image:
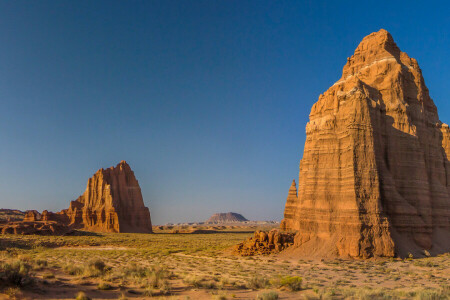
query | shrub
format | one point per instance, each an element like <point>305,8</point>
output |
<point>94,268</point>
<point>256,283</point>
<point>82,296</point>
<point>72,270</point>
<point>293,283</point>
<point>165,287</point>
<point>16,274</point>
<point>104,286</point>
<point>193,281</point>
<point>267,296</point>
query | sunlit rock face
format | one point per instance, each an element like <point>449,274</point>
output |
<point>112,202</point>
<point>375,176</point>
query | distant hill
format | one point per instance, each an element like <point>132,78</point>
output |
<point>229,217</point>
<point>11,214</point>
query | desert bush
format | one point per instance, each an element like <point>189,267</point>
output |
<point>82,296</point>
<point>98,265</point>
<point>164,287</point>
<point>425,263</point>
<point>95,268</point>
<point>104,286</point>
<point>12,292</point>
<point>433,294</point>
<point>39,264</point>
<point>267,296</point>
<point>256,283</point>
<point>72,270</point>
<point>153,277</point>
<point>200,282</point>
<point>156,277</point>
<point>293,283</point>
<point>16,274</point>
<point>193,280</point>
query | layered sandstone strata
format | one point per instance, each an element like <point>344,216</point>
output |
<point>112,202</point>
<point>289,209</point>
<point>35,228</point>
<point>375,176</point>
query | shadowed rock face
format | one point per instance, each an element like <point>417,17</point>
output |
<point>375,176</point>
<point>112,202</point>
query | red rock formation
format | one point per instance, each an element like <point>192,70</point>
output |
<point>31,216</point>
<point>291,202</point>
<point>112,202</point>
<point>35,227</point>
<point>264,243</point>
<point>375,176</point>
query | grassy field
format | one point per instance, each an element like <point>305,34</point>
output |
<point>200,266</point>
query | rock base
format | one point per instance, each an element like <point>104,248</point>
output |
<point>265,243</point>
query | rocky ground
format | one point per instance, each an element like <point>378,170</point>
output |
<point>201,266</point>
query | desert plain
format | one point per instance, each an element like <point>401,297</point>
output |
<point>168,265</point>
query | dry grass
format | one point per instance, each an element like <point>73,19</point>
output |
<point>181,265</point>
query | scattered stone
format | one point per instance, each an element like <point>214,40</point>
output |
<point>265,243</point>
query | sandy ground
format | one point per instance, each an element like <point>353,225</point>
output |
<point>199,266</point>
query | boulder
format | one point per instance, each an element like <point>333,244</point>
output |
<point>264,243</point>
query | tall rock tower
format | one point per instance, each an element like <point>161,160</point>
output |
<point>375,175</point>
<point>112,202</point>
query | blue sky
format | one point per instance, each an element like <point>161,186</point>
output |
<point>206,100</point>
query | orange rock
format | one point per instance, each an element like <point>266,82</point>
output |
<point>112,202</point>
<point>35,227</point>
<point>31,216</point>
<point>291,202</point>
<point>264,243</point>
<point>375,176</point>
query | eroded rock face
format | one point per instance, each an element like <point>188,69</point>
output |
<point>289,210</point>
<point>375,176</point>
<point>112,202</point>
<point>265,243</point>
<point>35,227</point>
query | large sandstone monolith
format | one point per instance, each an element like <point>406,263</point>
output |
<point>112,202</point>
<point>375,176</point>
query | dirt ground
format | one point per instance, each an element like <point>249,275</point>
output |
<point>199,266</point>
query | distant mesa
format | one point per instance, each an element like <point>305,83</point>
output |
<point>229,217</point>
<point>375,174</point>
<point>112,202</point>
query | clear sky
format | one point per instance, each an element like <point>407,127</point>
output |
<point>206,100</point>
